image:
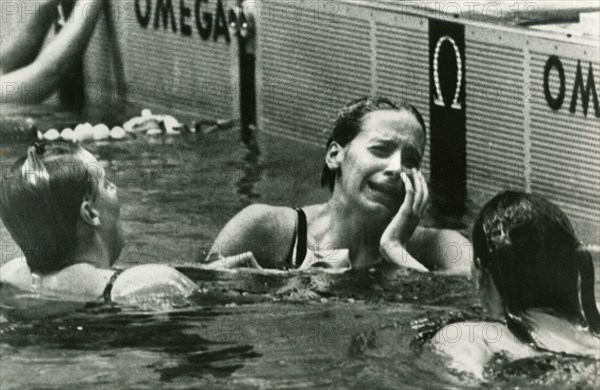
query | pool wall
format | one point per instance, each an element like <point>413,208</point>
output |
<point>176,57</point>
<point>525,130</point>
<point>314,60</point>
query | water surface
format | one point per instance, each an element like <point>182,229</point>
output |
<point>244,329</point>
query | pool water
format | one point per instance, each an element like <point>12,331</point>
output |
<point>246,328</point>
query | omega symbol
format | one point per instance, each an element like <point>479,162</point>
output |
<point>439,98</point>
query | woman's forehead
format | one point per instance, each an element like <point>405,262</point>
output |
<point>392,125</point>
<point>91,164</point>
<point>87,158</point>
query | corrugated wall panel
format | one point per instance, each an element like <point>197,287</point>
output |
<point>164,69</point>
<point>99,68</point>
<point>310,70</point>
<point>495,135</point>
<point>565,147</point>
<point>402,67</point>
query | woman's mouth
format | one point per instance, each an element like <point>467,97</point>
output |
<point>390,196</point>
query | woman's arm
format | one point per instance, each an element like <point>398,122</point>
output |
<point>258,229</point>
<point>34,19</point>
<point>422,249</point>
<point>395,239</point>
<point>463,346</point>
<point>36,81</point>
<point>16,273</point>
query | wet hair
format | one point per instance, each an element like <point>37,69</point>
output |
<point>529,247</point>
<point>349,120</point>
<point>40,202</point>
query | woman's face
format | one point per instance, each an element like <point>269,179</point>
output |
<point>488,293</point>
<point>389,142</point>
<point>106,203</point>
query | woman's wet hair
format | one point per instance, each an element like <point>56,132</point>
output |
<point>349,120</point>
<point>40,202</point>
<point>530,249</point>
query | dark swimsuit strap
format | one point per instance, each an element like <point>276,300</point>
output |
<point>109,286</point>
<point>301,240</point>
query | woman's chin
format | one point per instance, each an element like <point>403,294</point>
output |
<point>380,209</point>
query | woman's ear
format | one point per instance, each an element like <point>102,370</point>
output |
<point>334,156</point>
<point>88,213</point>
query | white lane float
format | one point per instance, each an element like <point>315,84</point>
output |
<point>101,132</point>
<point>84,132</point>
<point>67,134</point>
<point>147,123</point>
<point>51,135</point>
<point>118,133</point>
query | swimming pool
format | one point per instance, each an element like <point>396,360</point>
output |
<point>244,329</point>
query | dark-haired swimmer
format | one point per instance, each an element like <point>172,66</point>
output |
<point>535,279</point>
<point>372,167</point>
<point>64,214</point>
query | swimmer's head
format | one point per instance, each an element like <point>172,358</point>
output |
<point>351,120</point>
<point>58,204</point>
<point>528,257</point>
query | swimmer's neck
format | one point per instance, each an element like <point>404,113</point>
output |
<point>86,274</point>
<point>91,249</point>
<point>356,233</point>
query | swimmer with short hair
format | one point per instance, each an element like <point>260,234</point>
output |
<point>372,167</point>
<point>64,214</point>
<point>535,279</point>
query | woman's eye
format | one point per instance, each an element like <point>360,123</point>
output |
<point>379,151</point>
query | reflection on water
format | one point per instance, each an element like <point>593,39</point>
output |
<point>550,371</point>
<point>171,344</point>
<point>251,174</point>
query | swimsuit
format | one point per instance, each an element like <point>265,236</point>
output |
<point>303,257</point>
<point>300,240</point>
<point>109,286</point>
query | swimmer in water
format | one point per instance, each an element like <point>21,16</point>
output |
<point>372,167</point>
<point>535,280</point>
<point>30,71</point>
<point>64,214</point>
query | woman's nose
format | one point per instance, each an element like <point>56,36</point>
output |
<point>394,164</point>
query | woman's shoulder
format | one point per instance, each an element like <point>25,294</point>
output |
<point>15,273</point>
<point>266,216</point>
<point>77,280</point>
<point>470,345</point>
<point>443,250</point>
<point>495,336</point>
<point>464,346</point>
<point>255,226</point>
<point>151,280</point>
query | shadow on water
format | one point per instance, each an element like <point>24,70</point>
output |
<point>176,336</point>
<point>251,173</point>
<point>383,284</point>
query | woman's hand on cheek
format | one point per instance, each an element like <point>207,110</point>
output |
<point>400,230</point>
<point>408,216</point>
